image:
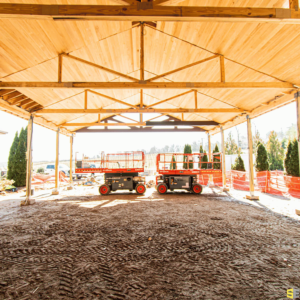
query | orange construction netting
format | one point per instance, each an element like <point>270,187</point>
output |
<point>43,179</point>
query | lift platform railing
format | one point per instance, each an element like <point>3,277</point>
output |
<point>187,163</point>
<point>127,162</point>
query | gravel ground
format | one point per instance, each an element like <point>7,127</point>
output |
<point>81,245</point>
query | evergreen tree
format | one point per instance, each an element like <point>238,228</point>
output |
<point>204,159</point>
<point>238,164</point>
<point>287,160</point>
<point>294,159</point>
<point>231,146</point>
<point>216,158</point>
<point>173,165</point>
<point>12,153</point>
<point>256,141</point>
<point>262,161</point>
<point>201,149</point>
<point>275,151</point>
<point>19,167</point>
<point>187,149</point>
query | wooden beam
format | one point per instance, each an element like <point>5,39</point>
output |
<point>149,85</point>
<point>111,98</point>
<point>101,67</point>
<point>99,118</point>
<point>102,124</point>
<point>60,66</point>
<point>182,123</point>
<point>222,68</point>
<point>142,54</point>
<point>183,68</point>
<point>139,129</point>
<point>156,117</point>
<point>157,13</point>
<point>138,110</point>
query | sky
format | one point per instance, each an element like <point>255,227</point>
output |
<point>94,143</point>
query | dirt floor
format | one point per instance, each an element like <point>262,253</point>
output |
<point>124,246</point>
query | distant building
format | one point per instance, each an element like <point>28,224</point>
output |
<point>3,132</point>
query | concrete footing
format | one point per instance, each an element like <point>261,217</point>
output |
<point>250,197</point>
<point>69,188</point>
<point>225,189</point>
<point>55,192</point>
<point>27,202</point>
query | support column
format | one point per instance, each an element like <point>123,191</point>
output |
<point>55,191</point>
<point>70,187</point>
<point>210,181</point>
<point>28,199</point>
<point>298,123</point>
<point>251,169</point>
<point>225,189</point>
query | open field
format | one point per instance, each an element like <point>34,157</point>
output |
<point>124,246</point>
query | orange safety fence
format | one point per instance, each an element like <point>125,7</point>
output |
<point>270,182</point>
<point>43,179</point>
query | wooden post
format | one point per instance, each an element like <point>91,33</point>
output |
<point>71,163</point>
<point>298,123</point>
<point>223,160</point>
<point>210,182</point>
<point>55,191</point>
<point>196,100</point>
<point>250,154</point>
<point>28,199</point>
<point>142,62</point>
<point>85,99</point>
<point>222,68</point>
<point>60,63</point>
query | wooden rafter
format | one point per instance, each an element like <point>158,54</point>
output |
<point>100,67</point>
<point>102,124</point>
<point>183,68</point>
<point>138,110</point>
<point>157,13</point>
<point>149,85</point>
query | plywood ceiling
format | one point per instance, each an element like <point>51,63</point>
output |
<point>29,51</point>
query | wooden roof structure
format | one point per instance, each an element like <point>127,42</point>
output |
<point>76,64</point>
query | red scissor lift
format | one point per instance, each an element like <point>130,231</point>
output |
<point>121,171</point>
<point>181,170</point>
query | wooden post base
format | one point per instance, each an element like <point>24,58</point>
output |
<point>249,197</point>
<point>55,192</point>
<point>298,212</point>
<point>27,202</point>
<point>225,189</point>
<point>69,188</point>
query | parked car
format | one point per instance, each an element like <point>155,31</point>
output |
<point>50,169</point>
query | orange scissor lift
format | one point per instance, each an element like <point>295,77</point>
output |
<point>121,171</point>
<point>181,171</point>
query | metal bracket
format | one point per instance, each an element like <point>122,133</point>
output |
<point>68,84</point>
<point>143,81</point>
<point>144,5</point>
<point>283,13</point>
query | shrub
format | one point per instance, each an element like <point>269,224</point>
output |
<point>215,158</point>
<point>287,160</point>
<point>40,170</point>
<point>293,160</point>
<point>204,159</point>
<point>173,165</point>
<point>262,161</point>
<point>238,164</point>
